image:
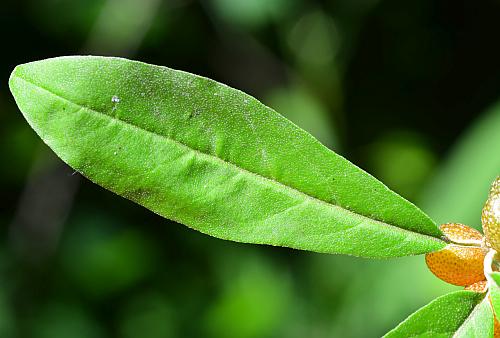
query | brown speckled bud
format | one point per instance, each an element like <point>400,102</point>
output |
<point>491,216</point>
<point>459,264</point>
<point>481,287</point>
<point>460,234</point>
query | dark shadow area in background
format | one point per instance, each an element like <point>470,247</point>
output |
<point>391,85</point>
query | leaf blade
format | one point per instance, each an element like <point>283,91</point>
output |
<point>182,145</point>
<point>479,324</point>
<point>494,287</point>
<point>451,315</point>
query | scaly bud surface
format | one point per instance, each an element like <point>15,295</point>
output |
<point>491,216</point>
<point>458,263</point>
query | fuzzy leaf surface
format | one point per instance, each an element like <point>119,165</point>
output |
<point>212,158</point>
<point>495,292</point>
<point>458,314</point>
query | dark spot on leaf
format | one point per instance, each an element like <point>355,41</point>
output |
<point>194,113</point>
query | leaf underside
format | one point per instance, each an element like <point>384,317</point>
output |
<point>213,158</point>
<point>458,314</point>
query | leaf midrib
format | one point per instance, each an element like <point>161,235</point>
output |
<point>218,159</point>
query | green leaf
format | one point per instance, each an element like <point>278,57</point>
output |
<point>457,314</point>
<point>479,324</point>
<point>495,291</point>
<point>213,158</point>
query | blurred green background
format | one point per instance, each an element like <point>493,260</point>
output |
<point>405,89</point>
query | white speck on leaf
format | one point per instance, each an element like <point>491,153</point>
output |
<point>115,99</point>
